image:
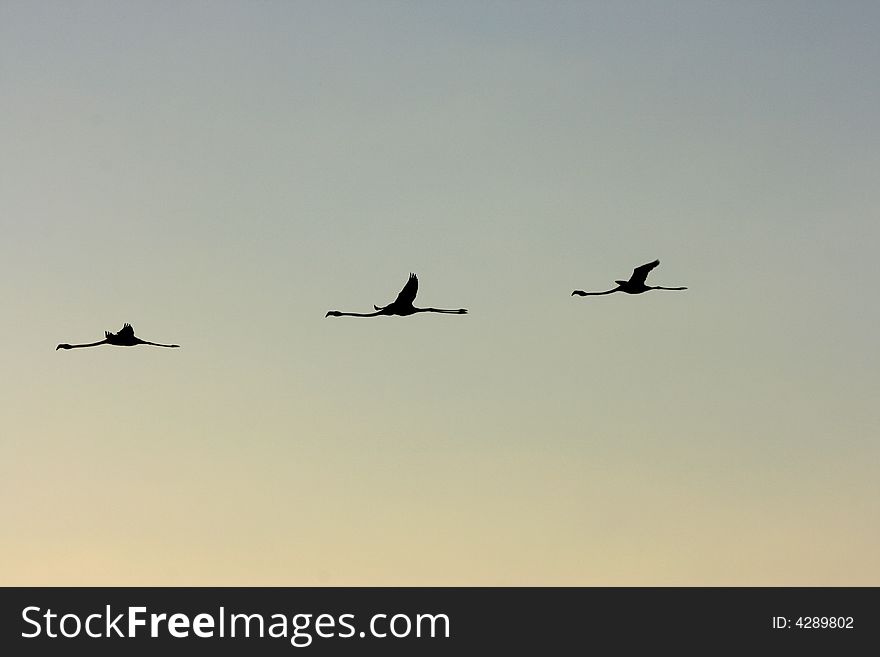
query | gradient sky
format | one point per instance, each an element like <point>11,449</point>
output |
<point>220,174</point>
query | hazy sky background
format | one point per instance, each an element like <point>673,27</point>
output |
<point>220,174</point>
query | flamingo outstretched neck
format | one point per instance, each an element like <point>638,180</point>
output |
<point>78,346</point>
<point>336,313</point>
<point>581,293</point>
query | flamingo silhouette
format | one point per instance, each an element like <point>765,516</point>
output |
<point>402,305</point>
<point>124,338</point>
<point>635,284</point>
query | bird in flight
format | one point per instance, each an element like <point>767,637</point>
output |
<point>635,284</point>
<point>402,305</point>
<point>124,338</point>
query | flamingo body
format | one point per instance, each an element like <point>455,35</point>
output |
<point>125,337</point>
<point>635,285</point>
<point>401,306</point>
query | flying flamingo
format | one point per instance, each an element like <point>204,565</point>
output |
<point>125,338</point>
<point>635,284</point>
<point>402,305</point>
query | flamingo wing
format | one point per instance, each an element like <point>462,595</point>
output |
<point>408,293</point>
<point>641,273</point>
<point>126,331</point>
